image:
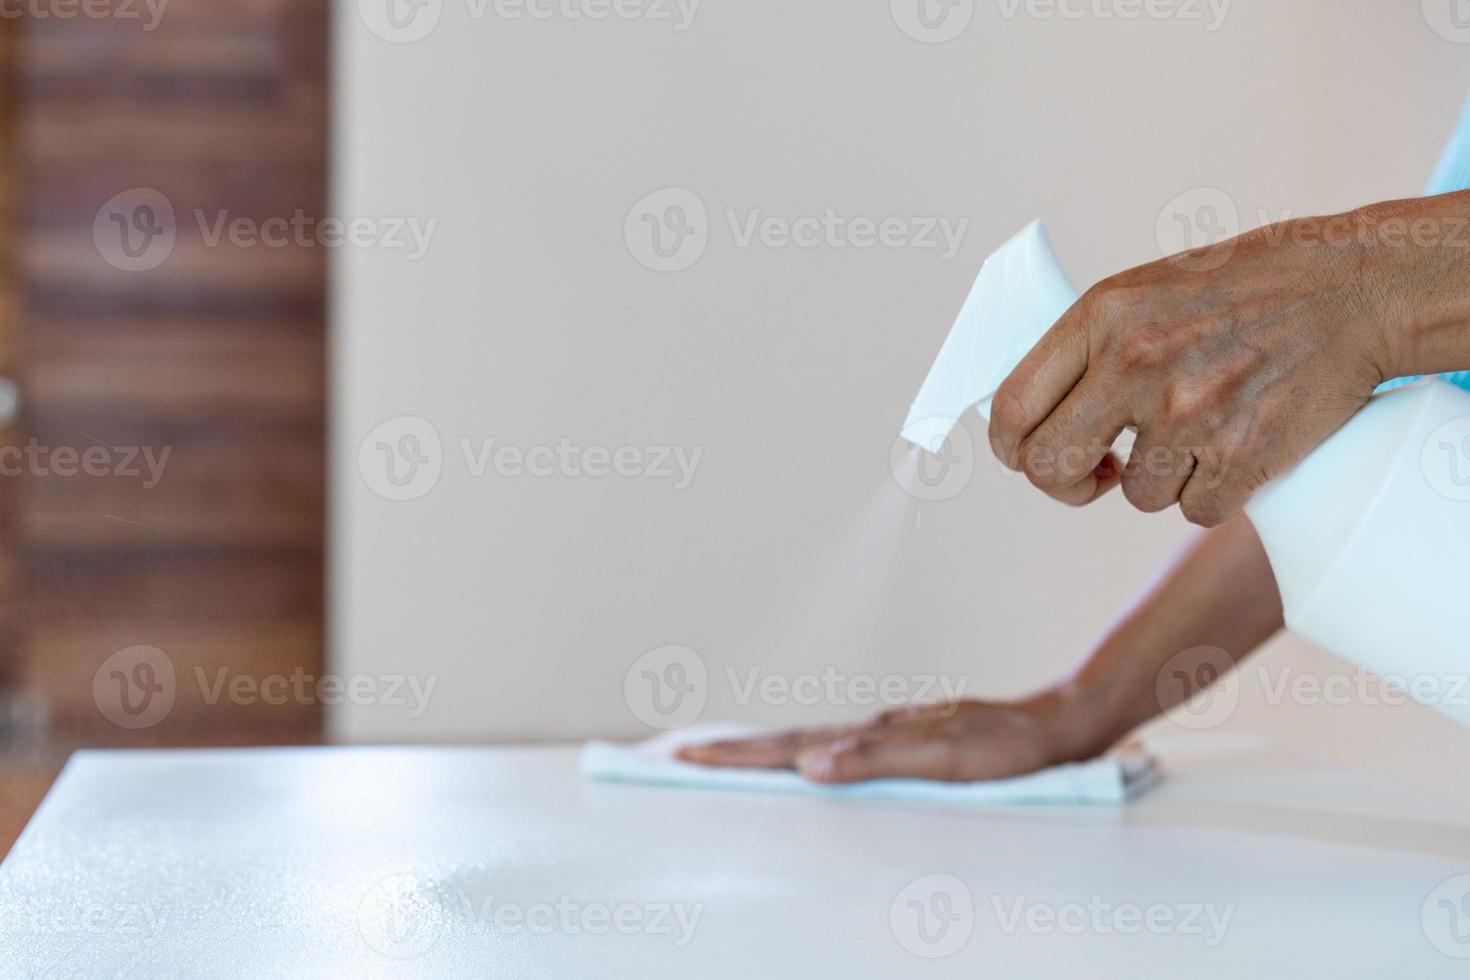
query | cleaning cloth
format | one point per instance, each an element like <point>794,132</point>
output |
<point>1110,780</point>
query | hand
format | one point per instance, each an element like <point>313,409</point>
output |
<point>958,742</point>
<point>1220,594</point>
<point>1232,362</point>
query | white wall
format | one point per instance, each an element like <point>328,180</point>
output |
<point>530,320</point>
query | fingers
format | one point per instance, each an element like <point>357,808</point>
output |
<point>1064,454</point>
<point>775,751</point>
<point>1107,475</point>
<point>1156,474</point>
<point>916,712</point>
<point>1087,490</point>
<point>779,750</point>
<point>898,742</point>
<point>1038,385</point>
<point>1238,378</point>
<point>956,741</point>
<point>1215,493</point>
<point>909,752</point>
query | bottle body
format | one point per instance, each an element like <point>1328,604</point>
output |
<point>1369,537</point>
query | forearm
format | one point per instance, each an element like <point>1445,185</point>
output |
<point>1219,593</point>
<point>1416,271</point>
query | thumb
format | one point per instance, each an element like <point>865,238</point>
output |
<point>1037,385</point>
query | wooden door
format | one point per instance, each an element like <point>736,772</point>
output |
<point>194,383</point>
<point>12,605</point>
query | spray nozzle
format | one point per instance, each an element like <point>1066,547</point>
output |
<point>1020,292</point>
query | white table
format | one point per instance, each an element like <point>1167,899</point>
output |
<point>440,862</point>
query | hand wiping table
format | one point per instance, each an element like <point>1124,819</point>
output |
<point>1108,780</point>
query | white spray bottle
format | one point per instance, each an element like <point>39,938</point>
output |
<point>1369,536</point>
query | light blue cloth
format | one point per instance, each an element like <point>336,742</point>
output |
<point>1110,780</point>
<point>1452,174</point>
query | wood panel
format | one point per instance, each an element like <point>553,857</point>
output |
<point>22,786</point>
<point>215,357</point>
<point>12,579</point>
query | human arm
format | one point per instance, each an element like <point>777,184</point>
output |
<point>1219,594</point>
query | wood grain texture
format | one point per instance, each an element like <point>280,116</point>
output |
<point>22,787</point>
<point>12,578</point>
<point>214,358</point>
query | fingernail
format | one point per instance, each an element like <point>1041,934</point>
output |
<point>998,448</point>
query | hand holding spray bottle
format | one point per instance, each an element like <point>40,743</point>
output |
<point>1368,536</point>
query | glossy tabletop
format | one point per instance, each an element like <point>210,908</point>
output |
<point>503,862</point>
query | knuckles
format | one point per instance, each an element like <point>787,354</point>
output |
<point>1204,510</point>
<point>1209,500</point>
<point>1144,349</point>
<point>1042,475</point>
<point>1185,403</point>
<point>1144,493</point>
<point>1054,469</point>
<point>1116,299</point>
<point>1007,421</point>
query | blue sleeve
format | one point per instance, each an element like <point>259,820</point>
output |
<point>1453,172</point>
